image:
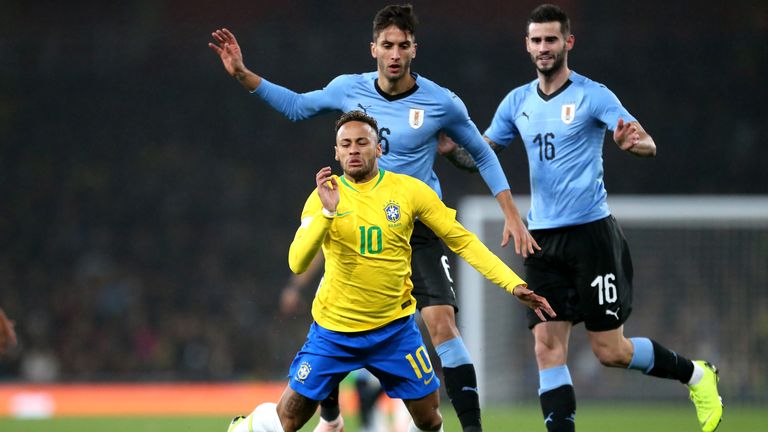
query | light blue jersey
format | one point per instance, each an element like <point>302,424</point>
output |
<point>563,135</point>
<point>409,123</point>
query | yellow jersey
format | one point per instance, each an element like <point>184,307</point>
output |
<point>367,250</point>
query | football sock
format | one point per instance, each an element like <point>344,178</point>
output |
<point>368,392</point>
<point>329,407</point>
<point>653,359</point>
<point>460,382</point>
<point>263,419</point>
<point>557,398</point>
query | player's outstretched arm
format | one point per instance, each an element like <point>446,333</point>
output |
<point>631,137</point>
<point>228,50</point>
<point>7,334</point>
<point>534,301</point>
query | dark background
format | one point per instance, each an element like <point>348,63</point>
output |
<point>148,201</point>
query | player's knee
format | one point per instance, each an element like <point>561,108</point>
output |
<point>429,422</point>
<point>609,357</point>
<point>550,354</point>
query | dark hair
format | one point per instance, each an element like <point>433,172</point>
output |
<point>357,116</point>
<point>550,13</point>
<point>401,16</point>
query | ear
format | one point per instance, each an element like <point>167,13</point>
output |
<point>569,42</point>
<point>415,45</point>
<point>373,49</point>
<point>378,149</point>
<point>336,152</point>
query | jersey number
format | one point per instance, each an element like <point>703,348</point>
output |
<point>424,364</point>
<point>383,132</point>
<point>546,146</point>
<point>370,240</point>
<point>606,290</point>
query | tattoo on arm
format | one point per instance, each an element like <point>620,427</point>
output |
<point>463,160</point>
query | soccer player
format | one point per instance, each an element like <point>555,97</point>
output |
<point>584,266</point>
<point>363,309</point>
<point>7,334</point>
<point>412,112</point>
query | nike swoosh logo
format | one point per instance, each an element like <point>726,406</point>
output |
<point>342,214</point>
<point>427,381</point>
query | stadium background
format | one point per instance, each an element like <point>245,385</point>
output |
<point>149,201</point>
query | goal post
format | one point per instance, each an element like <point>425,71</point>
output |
<point>707,255</point>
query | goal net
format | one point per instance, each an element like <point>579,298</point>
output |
<point>700,288</point>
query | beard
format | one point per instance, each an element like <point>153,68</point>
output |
<point>404,69</point>
<point>360,173</point>
<point>558,60</point>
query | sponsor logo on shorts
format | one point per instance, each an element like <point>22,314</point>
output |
<point>427,381</point>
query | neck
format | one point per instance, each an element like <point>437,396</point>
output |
<point>364,179</point>
<point>550,83</point>
<point>395,87</point>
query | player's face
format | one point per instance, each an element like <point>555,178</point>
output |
<point>394,50</point>
<point>357,147</point>
<point>548,47</point>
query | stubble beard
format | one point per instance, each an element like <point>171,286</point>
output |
<point>557,64</point>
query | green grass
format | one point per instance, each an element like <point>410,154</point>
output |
<point>515,418</point>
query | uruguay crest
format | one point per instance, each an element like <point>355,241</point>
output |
<point>416,118</point>
<point>568,113</point>
<point>392,211</point>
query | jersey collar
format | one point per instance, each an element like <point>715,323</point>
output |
<point>364,187</point>
<point>399,96</point>
<point>548,97</point>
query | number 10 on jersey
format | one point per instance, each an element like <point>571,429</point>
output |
<point>370,240</point>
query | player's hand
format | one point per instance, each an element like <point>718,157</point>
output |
<point>626,135</point>
<point>525,244</point>
<point>229,51</point>
<point>7,334</point>
<point>445,145</point>
<point>534,301</point>
<point>328,189</point>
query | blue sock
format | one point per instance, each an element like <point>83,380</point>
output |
<point>552,378</point>
<point>453,353</point>
<point>643,356</point>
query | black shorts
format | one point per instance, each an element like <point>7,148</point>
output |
<point>431,276</point>
<point>585,272</point>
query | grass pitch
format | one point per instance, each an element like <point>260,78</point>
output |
<point>622,417</point>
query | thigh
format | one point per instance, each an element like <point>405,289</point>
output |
<point>320,365</point>
<point>603,275</point>
<point>430,270</point>
<point>548,274</point>
<point>402,365</point>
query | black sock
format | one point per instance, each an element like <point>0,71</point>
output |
<point>368,393</point>
<point>669,364</point>
<point>559,409</point>
<point>461,386</point>
<point>329,407</point>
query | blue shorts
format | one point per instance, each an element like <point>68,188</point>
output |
<point>395,354</point>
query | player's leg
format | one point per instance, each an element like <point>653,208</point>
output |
<point>368,392</point>
<point>547,273</point>
<point>402,365</point>
<point>330,414</point>
<point>425,413</point>
<point>436,300</point>
<point>556,393</point>
<point>608,283</point>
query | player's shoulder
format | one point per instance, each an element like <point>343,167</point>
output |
<point>404,180</point>
<point>354,78</point>
<point>587,84</point>
<point>520,93</point>
<point>434,89</point>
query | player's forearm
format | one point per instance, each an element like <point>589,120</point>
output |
<point>309,238</point>
<point>461,159</point>
<point>247,79</point>
<point>473,251</point>
<point>645,147</point>
<point>507,204</point>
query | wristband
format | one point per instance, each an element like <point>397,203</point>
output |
<point>329,214</point>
